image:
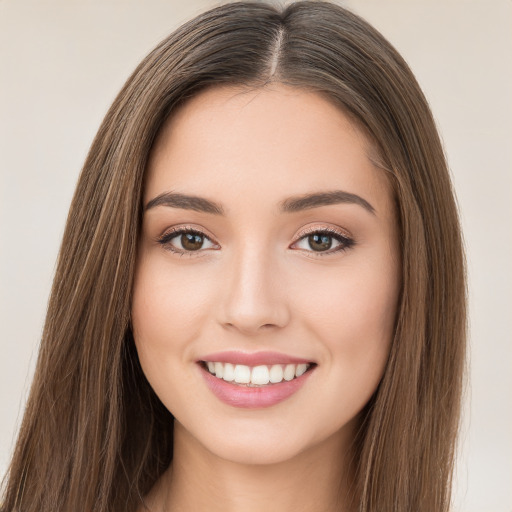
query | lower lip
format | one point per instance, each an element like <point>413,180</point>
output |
<point>252,398</point>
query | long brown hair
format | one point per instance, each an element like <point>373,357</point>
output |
<point>94,435</point>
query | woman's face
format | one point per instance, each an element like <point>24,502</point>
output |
<point>269,247</point>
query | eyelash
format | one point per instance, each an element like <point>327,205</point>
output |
<point>345,241</point>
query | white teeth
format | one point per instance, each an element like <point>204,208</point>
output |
<point>258,375</point>
<point>242,374</point>
<point>229,372</point>
<point>301,368</point>
<point>276,374</point>
<point>289,372</point>
<point>219,370</point>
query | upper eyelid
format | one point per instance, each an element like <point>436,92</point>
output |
<point>316,229</point>
<point>184,229</point>
<point>301,234</point>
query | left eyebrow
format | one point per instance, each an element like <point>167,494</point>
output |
<point>307,201</point>
<point>289,205</point>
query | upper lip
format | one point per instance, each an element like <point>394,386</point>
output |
<point>254,358</point>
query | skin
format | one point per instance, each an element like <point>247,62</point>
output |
<point>256,284</point>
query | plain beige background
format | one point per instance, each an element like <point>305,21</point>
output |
<point>63,61</point>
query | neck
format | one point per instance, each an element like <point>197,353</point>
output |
<point>315,480</point>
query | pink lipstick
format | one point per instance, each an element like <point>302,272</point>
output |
<point>256,380</point>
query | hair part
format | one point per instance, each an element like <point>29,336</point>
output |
<point>94,435</point>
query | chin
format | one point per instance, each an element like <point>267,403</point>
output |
<point>256,453</point>
<point>268,441</point>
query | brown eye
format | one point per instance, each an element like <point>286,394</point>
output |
<point>191,241</point>
<point>320,242</point>
<point>324,242</point>
<point>186,241</point>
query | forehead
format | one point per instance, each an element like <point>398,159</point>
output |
<point>263,143</point>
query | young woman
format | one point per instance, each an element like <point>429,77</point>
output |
<point>259,301</point>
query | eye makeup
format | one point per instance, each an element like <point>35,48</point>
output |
<point>322,238</point>
<point>192,240</point>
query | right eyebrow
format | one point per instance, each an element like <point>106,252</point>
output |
<point>176,200</point>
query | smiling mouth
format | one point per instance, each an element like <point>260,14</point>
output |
<point>256,376</point>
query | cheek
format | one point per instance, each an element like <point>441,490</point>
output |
<point>352,314</point>
<point>167,306</point>
<point>167,312</point>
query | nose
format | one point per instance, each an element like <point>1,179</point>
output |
<point>254,299</point>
